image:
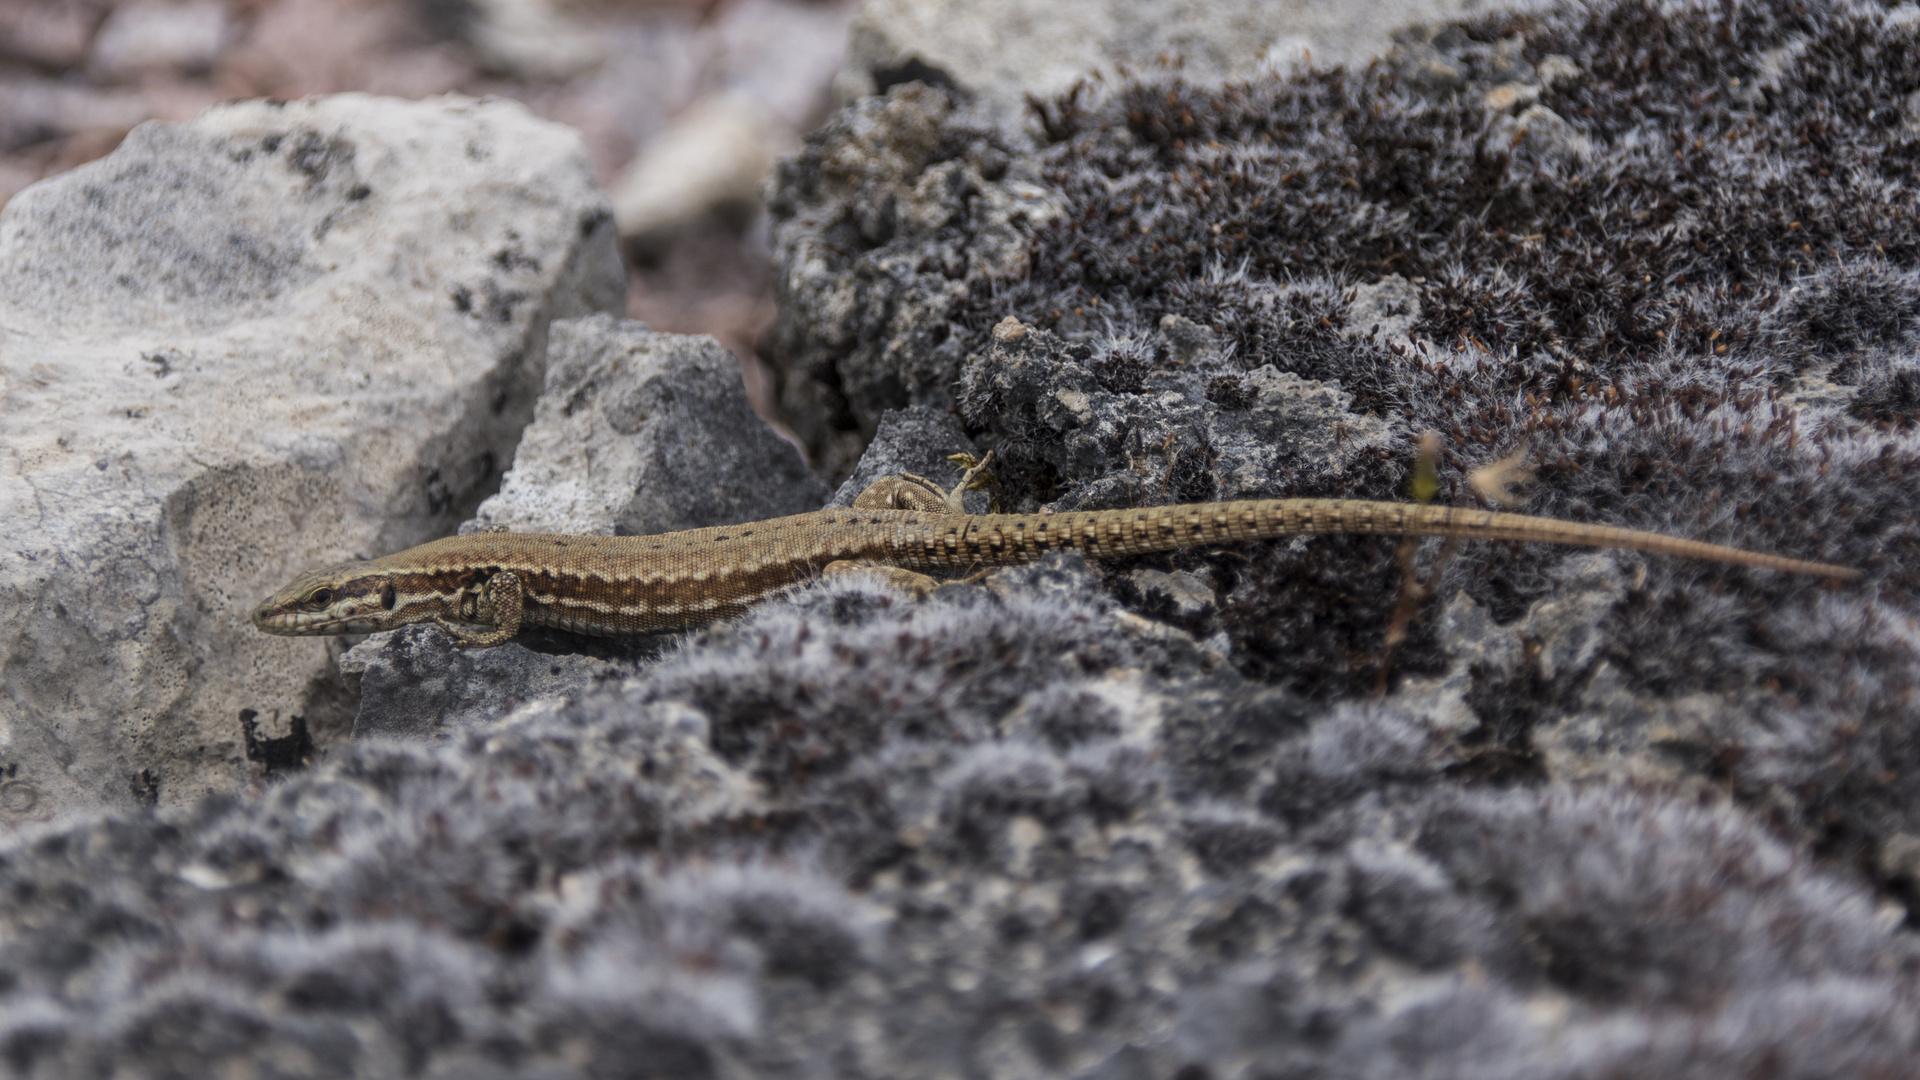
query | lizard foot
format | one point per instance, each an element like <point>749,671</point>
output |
<point>909,492</point>
<point>917,584</point>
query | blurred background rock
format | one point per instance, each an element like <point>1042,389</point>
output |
<point>682,104</point>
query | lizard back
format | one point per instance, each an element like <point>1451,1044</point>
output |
<point>633,584</point>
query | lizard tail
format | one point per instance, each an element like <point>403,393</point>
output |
<point>1127,532</point>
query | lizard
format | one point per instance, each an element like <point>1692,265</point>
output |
<point>482,588</point>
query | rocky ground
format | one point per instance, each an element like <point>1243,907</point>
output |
<point>1192,816</point>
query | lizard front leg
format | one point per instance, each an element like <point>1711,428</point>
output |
<point>507,599</point>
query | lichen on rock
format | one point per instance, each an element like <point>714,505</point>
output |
<point>1667,253</point>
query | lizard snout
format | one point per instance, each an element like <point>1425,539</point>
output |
<point>263,616</point>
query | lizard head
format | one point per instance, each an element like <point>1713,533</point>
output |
<point>349,598</point>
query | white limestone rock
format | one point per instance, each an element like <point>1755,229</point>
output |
<point>278,336</point>
<point>640,433</point>
<point>532,39</point>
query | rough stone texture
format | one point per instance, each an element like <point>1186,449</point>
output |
<point>1144,420</point>
<point>1006,831</point>
<point>637,433</point>
<point>884,223</point>
<point>276,337</point>
<point>416,685</point>
<point>1005,50</point>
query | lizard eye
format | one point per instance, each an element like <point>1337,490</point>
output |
<point>387,598</point>
<point>322,597</point>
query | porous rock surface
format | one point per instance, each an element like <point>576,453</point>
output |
<point>1677,303</point>
<point>1670,255</point>
<point>1051,405</point>
<point>279,336</point>
<point>932,204</point>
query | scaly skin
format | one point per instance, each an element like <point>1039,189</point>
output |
<point>641,584</point>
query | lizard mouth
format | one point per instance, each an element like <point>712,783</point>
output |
<point>303,623</point>
<point>275,621</point>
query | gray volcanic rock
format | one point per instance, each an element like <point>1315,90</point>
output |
<point>1524,236</point>
<point>415,684</point>
<point>886,222</point>
<point>637,433</point>
<point>273,338</point>
<point>1089,410</point>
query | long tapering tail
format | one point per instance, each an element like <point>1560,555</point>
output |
<point>1163,528</point>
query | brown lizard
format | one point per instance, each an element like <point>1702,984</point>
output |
<point>500,581</point>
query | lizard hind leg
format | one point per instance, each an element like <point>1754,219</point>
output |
<point>905,492</point>
<point>909,492</point>
<point>905,580</point>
